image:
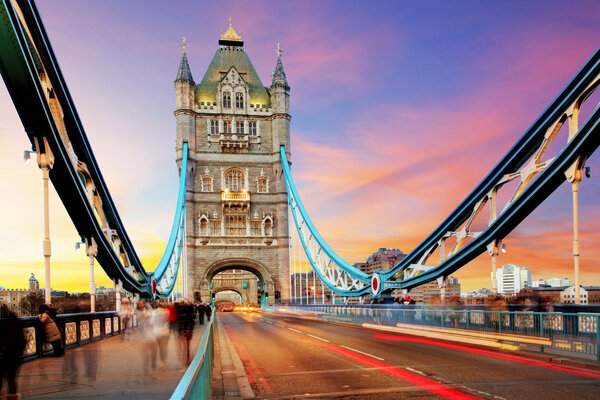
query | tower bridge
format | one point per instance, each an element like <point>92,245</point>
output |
<point>236,200</point>
<point>231,232</point>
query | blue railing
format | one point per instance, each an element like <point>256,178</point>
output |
<point>196,381</point>
<point>572,332</point>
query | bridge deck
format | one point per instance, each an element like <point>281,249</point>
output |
<point>111,368</point>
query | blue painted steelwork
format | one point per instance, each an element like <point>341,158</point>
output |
<point>582,145</point>
<point>36,85</point>
<point>337,274</point>
<point>533,190</point>
<point>196,382</point>
<point>165,276</point>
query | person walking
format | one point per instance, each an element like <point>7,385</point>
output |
<point>46,316</point>
<point>12,344</point>
<point>185,322</point>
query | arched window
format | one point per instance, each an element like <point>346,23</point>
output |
<point>226,99</point>
<point>234,180</point>
<point>239,100</point>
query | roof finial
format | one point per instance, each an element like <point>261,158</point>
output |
<point>279,51</point>
<point>231,34</point>
<point>184,45</point>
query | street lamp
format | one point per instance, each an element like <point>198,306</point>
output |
<point>45,160</point>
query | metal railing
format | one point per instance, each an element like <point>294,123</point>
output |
<point>76,329</point>
<point>572,332</point>
<point>197,379</point>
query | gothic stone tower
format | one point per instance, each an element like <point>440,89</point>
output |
<point>236,206</point>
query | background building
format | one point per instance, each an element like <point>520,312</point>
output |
<point>587,295</point>
<point>34,285</point>
<point>511,279</point>
<point>552,282</point>
<point>432,293</point>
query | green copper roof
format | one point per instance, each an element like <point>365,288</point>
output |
<point>223,60</point>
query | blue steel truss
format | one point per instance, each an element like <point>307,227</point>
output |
<point>337,274</point>
<point>38,90</point>
<point>539,176</point>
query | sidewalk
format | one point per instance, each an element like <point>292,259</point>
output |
<point>110,368</point>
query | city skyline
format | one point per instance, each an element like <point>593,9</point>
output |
<point>398,112</point>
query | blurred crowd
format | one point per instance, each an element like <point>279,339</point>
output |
<point>157,323</point>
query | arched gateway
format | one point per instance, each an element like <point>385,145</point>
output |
<point>236,206</point>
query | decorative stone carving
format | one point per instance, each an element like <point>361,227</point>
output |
<point>107,326</point>
<point>96,328</point>
<point>84,330</point>
<point>70,333</point>
<point>30,343</point>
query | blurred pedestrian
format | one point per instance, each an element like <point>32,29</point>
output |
<point>126,315</point>
<point>207,311</point>
<point>185,323</point>
<point>12,344</point>
<point>147,319</point>
<point>47,313</point>
<point>163,331</point>
<point>201,310</point>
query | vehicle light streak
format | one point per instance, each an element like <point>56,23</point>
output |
<point>410,377</point>
<point>523,360</point>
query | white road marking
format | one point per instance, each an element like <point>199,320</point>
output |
<point>281,326</point>
<point>319,338</point>
<point>294,330</point>
<point>415,371</point>
<point>362,352</point>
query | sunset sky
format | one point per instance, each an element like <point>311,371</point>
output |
<point>399,109</point>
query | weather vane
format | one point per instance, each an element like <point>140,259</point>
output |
<point>184,45</point>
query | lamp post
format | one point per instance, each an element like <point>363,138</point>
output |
<point>45,160</point>
<point>91,251</point>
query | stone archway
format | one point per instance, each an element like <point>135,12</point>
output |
<point>242,293</point>
<point>265,278</point>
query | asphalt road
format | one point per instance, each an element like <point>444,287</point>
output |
<point>289,357</point>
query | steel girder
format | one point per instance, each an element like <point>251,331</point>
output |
<point>38,90</point>
<point>335,273</point>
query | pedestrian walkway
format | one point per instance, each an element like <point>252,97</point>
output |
<point>111,369</point>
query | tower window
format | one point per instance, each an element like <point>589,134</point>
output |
<point>226,126</point>
<point>239,100</point>
<point>226,100</point>
<point>214,127</point>
<point>239,126</point>
<point>235,225</point>
<point>215,227</point>
<point>256,228</point>
<point>263,184</point>
<point>207,183</point>
<point>234,180</point>
<point>252,128</point>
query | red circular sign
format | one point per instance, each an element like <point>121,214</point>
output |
<point>375,283</point>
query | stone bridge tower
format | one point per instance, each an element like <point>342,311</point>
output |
<point>236,206</point>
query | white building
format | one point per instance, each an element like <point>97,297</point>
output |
<point>552,282</point>
<point>511,279</point>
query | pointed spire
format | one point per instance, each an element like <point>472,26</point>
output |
<point>279,78</point>
<point>184,73</point>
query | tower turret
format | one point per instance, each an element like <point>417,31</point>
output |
<point>280,103</point>
<point>184,101</point>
